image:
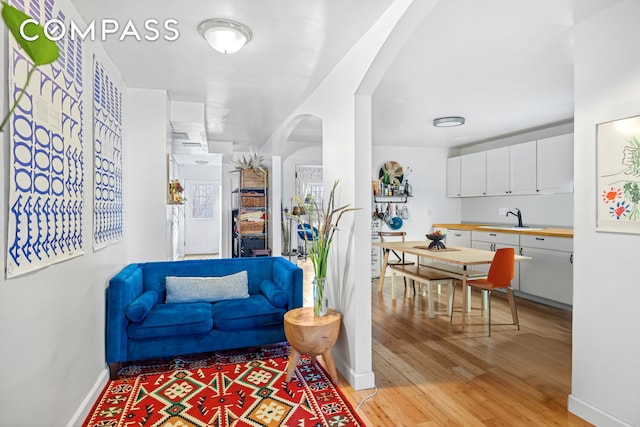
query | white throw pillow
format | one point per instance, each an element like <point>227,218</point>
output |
<point>207,289</point>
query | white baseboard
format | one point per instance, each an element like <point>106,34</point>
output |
<point>86,405</point>
<point>359,381</point>
<point>592,414</point>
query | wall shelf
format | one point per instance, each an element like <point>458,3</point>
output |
<point>391,199</point>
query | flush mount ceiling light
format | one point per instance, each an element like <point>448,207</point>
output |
<point>225,35</point>
<point>442,122</point>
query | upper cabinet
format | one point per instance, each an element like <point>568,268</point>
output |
<point>522,168</point>
<point>453,177</point>
<point>555,164</point>
<point>535,167</point>
<point>498,172</point>
<point>512,169</point>
<point>473,173</point>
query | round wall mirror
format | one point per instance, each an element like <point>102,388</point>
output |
<point>392,170</point>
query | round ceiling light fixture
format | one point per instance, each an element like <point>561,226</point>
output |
<point>443,122</point>
<point>225,35</point>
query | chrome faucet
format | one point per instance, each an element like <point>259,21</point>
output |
<point>518,214</point>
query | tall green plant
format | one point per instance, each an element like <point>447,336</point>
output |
<point>41,51</point>
<point>327,224</point>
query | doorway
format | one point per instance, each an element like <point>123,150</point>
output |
<point>308,188</point>
<point>202,225</point>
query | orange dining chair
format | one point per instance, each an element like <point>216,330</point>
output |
<point>500,275</point>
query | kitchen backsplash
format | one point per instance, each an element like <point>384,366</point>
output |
<point>542,209</point>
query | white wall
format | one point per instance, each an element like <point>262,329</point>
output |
<point>606,349</point>
<point>346,155</point>
<point>52,320</point>
<point>146,178</point>
<point>428,179</point>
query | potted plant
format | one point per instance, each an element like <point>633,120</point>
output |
<point>318,240</point>
<point>252,173</point>
<point>175,192</point>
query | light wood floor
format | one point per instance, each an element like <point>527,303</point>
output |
<point>432,373</point>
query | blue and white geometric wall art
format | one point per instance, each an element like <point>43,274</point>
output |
<point>46,170</point>
<point>107,134</point>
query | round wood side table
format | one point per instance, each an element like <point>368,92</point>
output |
<point>313,336</point>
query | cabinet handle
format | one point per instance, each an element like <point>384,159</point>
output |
<point>571,259</point>
<point>458,235</point>
<point>521,251</point>
<point>493,234</point>
<point>539,238</point>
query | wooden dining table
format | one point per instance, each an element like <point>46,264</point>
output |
<point>453,261</point>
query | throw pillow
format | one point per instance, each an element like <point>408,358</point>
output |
<point>138,309</point>
<point>207,289</point>
<point>274,294</point>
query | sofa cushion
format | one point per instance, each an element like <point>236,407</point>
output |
<point>274,294</point>
<point>138,309</point>
<point>207,289</point>
<point>253,312</point>
<point>173,319</point>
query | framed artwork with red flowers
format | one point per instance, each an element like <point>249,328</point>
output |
<point>618,173</point>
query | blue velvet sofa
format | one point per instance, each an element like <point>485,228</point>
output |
<point>145,319</point>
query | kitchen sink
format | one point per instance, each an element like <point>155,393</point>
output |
<point>511,227</point>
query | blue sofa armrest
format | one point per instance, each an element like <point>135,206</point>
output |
<point>123,288</point>
<point>288,277</point>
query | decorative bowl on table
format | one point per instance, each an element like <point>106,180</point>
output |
<point>436,241</point>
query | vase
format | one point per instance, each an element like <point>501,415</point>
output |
<point>320,303</point>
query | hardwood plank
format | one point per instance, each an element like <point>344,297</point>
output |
<point>431,373</point>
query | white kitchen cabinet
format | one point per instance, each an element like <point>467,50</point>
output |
<point>555,164</point>
<point>550,274</point>
<point>453,177</point>
<point>492,241</point>
<point>498,172</point>
<point>473,174</point>
<point>523,168</point>
<point>544,166</point>
<point>512,169</point>
<point>457,237</point>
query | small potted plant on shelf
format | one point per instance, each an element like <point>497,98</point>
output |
<point>252,172</point>
<point>175,192</point>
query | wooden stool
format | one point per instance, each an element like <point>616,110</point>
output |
<point>313,336</point>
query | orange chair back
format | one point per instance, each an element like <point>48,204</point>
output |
<point>502,268</point>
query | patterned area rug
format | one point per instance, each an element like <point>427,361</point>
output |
<point>223,389</point>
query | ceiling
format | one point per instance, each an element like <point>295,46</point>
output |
<point>506,66</point>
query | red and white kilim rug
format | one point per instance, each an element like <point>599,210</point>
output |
<point>223,389</point>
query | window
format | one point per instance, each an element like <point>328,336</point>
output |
<point>202,199</point>
<point>312,199</point>
<point>309,188</point>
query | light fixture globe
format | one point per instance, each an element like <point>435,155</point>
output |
<point>451,121</point>
<point>225,35</point>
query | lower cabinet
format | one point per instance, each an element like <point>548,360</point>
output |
<point>491,241</point>
<point>457,237</point>
<point>550,274</point>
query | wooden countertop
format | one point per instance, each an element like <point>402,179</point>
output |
<point>547,231</point>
